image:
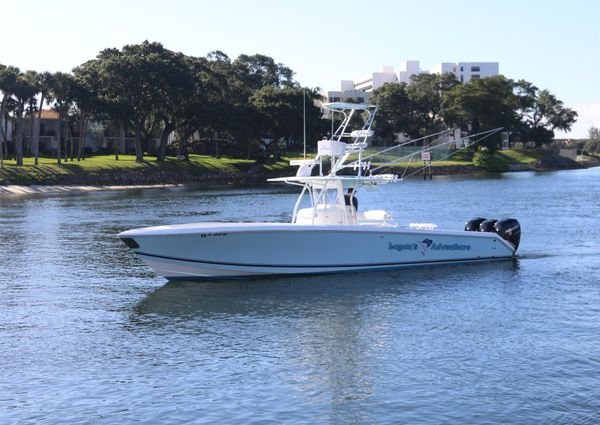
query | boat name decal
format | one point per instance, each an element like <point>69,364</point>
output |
<point>426,245</point>
<point>403,246</point>
<point>204,235</point>
<point>450,247</point>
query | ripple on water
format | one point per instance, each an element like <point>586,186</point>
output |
<point>89,335</point>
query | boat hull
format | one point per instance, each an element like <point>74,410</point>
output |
<point>232,250</point>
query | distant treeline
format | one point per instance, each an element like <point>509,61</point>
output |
<point>249,106</point>
<point>432,102</point>
<point>148,90</point>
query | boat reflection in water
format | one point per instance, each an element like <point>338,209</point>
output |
<point>330,338</point>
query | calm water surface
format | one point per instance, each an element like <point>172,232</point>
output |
<point>88,334</point>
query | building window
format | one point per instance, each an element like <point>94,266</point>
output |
<point>475,69</point>
<point>461,69</point>
<point>462,79</point>
<point>475,77</point>
<point>360,99</point>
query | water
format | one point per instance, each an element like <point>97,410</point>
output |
<point>88,334</point>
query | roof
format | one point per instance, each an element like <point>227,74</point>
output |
<point>49,114</point>
<point>320,180</point>
<point>344,105</point>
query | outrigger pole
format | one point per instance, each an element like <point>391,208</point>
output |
<point>477,136</point>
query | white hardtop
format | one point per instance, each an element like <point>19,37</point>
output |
<point>348,106</point>
<point>347,180</point>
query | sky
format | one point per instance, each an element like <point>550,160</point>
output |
<point>553,44</point>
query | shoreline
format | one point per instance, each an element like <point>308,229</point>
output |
<point>104,173</point>
<point>35,189</point>
<point>127,181</point>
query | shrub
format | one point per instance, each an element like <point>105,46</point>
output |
<point>592,147</point>
<point>485,159</point>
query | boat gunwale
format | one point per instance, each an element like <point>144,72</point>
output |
<point>220,228</point>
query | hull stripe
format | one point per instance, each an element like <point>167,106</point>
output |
<point>317,266</point>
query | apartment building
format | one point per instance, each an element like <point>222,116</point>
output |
<point>360,89</point>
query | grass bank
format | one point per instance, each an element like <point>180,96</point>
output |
<point>105,170</point>
<point>502,161</point>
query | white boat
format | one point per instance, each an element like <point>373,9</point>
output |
<point>327,233</point>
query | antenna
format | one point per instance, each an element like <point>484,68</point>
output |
<point>304,119</point>
<point>332,125</point>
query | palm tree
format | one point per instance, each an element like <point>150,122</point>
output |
<point>8,79</point>
<point>44,84</point>
<point>23,92</point>
<point>86,95</point>
<point>60,91</point>
<point>33,78</point>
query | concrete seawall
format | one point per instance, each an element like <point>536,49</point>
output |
<point>35,189</point>
<point>109,180</point>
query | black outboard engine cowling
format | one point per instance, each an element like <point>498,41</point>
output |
<point>473,224</point>
<point>488,225</point>
<point>509,229</point>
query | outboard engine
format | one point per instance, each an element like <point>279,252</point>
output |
<point>509,229</point>
<point>473,224</point>
<point>488,225</point>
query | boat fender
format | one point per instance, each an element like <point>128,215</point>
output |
<point>509,229</point>
<point>473,224</point>
<point>488,225</point>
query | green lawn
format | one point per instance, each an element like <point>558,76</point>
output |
<point>521,157</point>
<point>197,164</point>
<point>201,164</point>
<point>500,162</point>
<point>419,164</point>
<point>108,162</point>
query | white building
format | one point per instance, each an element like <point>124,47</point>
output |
<point>407,70</point>
<point>347,96</point>
<point>347,93</point>
<point>374,80</point>
<point>466,71</point>
<point>360,89</point>
<point>5,126</point>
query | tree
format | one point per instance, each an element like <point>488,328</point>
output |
<point>142,84</point>
<point>23,91</point>
<point>122,79</point>
<point>543,114</point>
<point>43,84</point>
<point>61,92</point>
<point>258,71</point>
<point>87,96</point>
<point>107,69</point>
<point>415,109</point>
<point>281,114</point>
<point>482,104</point>
<point>203,106</point>
<point>181,85</point>
<point>32,78</point>
<point>593,143</point>
<point>425,93</point>
<point>395,113</point>
<point>136,71</point>
<point>233,84</point>
<point>228,111</point>
<point>8,82</point>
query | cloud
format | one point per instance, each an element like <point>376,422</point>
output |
<point>588,116</point>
